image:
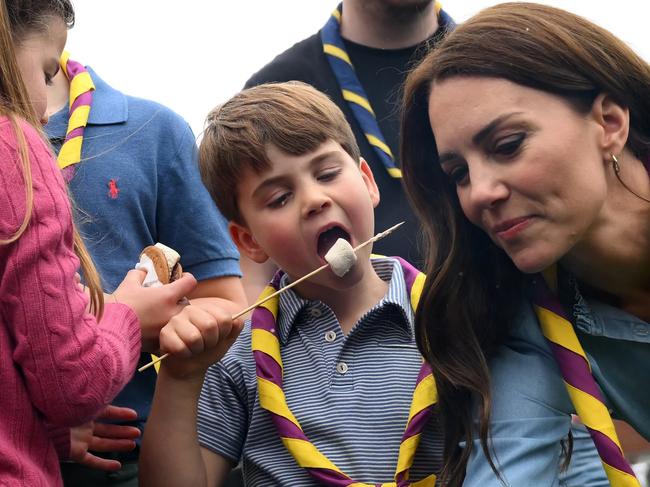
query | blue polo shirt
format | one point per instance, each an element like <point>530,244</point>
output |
<point>351,394</point>
<point>137,184</point>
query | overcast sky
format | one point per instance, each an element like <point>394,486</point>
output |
<point>191,55</point>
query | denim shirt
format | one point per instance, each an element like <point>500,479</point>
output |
<point>531,408</point>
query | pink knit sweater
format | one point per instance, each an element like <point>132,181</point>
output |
<point>57,364</point>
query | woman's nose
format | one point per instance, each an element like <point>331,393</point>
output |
<point>486,189</point>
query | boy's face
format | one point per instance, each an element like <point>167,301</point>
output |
<point>297,209</point>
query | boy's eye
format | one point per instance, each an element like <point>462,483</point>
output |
<point>328,175</point>
<point>279,201</point>
<point>508,146</point>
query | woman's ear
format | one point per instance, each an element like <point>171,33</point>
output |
<point>614,122</point>
<point>246,243</point>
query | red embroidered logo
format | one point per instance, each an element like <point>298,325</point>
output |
<point>113,190</point>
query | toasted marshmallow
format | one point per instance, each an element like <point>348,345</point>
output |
<point>165,261</point>
<point>171,255</point>
<point>341,257</point>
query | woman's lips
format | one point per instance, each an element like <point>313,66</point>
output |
<point>509,229</point>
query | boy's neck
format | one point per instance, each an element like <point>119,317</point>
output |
<point>350,304</point>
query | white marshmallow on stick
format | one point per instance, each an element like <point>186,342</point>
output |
<point>307,276</point>
<point>341,257</point>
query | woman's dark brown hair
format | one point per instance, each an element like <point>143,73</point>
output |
<point>473,290</point>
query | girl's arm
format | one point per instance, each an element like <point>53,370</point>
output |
<point>72,365</point>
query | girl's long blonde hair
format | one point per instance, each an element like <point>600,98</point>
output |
<point>17,18</point>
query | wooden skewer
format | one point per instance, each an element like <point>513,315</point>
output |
<point>289,286</point>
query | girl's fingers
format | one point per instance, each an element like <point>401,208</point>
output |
<point>118,413</point>
<point>116,431</point>
<point>181,287</point>
<point>111,445</point>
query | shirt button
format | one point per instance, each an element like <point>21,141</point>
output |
<point>640,329</point>
<point>316,313</point>
<point>330,336</point>
<point>341,367</point>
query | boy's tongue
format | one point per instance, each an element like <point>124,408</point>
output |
<point>327,239</point>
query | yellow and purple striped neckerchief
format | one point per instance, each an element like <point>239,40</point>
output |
<point>579,381</point>
<point>556,327</point>
<point>352,90</point>
<point>268,361</point>
<point>81,97</point>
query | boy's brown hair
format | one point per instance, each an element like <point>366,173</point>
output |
<point>294,117</point>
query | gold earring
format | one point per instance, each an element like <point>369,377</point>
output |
<point>615,165</point>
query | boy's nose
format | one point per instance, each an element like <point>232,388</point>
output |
<point>315,202</point>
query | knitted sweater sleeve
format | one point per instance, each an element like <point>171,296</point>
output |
<point>71,365</point>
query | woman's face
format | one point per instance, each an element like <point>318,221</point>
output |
<point>38,56</point>
<point>527,167</point>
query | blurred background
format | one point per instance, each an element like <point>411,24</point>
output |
<point>194,54</point>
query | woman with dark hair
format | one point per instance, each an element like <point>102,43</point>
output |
<point>526,151</point>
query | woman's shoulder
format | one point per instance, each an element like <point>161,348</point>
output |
<point>525,378</point>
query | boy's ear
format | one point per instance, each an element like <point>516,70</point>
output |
<point>369,179</point>
<point>246,243</point>
<point>614,123</point>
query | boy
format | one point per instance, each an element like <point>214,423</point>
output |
<point>283,166</point>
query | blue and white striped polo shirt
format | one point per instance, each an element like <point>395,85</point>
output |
<point>351,394</point>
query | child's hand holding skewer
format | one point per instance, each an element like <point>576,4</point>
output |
<point>196,338</point>
<point>341,259</point>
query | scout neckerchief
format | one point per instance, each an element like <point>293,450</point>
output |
<point>351,88</point>
<point>582,388</point>
<point>81,97</point>
<point>268,361</point>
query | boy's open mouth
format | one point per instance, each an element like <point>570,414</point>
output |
<point>328,237</point>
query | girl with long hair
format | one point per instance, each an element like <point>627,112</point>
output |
<point>59,364</point>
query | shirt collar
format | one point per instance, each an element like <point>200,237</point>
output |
<point>600,319</point>
<point>388,269</point>
<point>109,106</point>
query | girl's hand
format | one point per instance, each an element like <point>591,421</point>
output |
<point>154,306</point>
<point>103,437</point>
<point>196,338</point>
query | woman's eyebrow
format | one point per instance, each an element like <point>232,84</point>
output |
<point>485,132</point>
<point>479,137</point>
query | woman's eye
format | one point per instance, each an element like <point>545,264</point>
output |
<point>509,145</point>
<point>279,201</point>
<point>48,79</point>
<point>458,175</point>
